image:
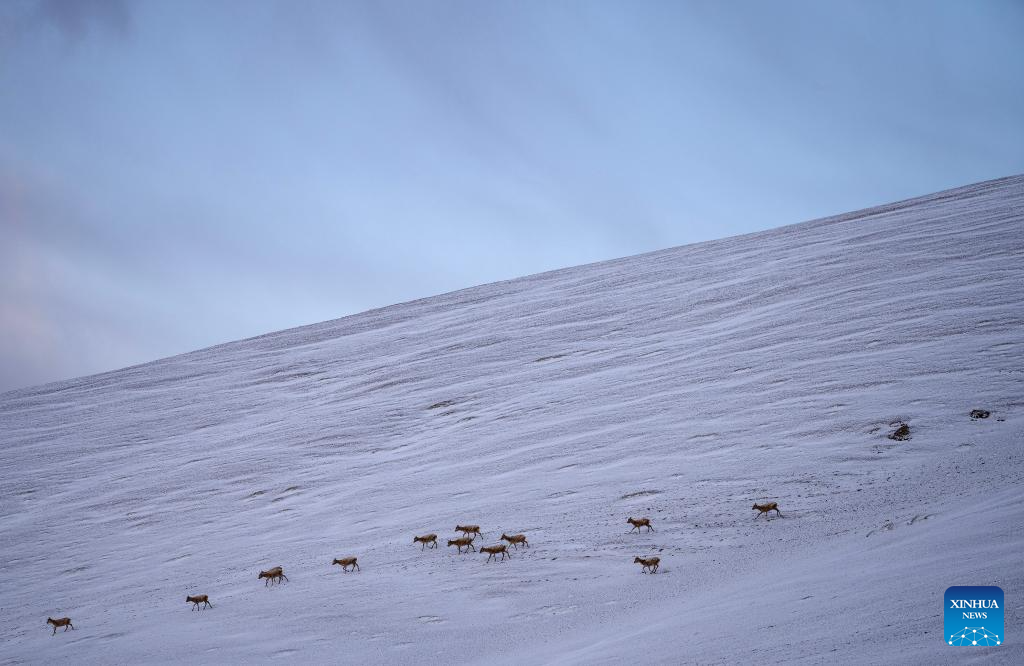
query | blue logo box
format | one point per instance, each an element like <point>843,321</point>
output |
<point>973,616</point>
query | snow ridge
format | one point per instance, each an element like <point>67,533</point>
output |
<point>683,385</point>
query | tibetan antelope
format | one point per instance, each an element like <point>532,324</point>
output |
<point>346,562</point>
<point>637,523</point>
<point>464,542</point>
<point>765,508</point>
<point>515,540</point>
<point>494,550</point>
<point>198,599</point>
<point>426,539</point>
<point>468,530</point>
<point>60,622</point>
<point>273,575</point>
<point>650,563</point>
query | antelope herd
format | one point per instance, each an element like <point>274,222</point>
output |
<point>275,575</point>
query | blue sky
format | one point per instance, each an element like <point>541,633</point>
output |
<point>178,174</point>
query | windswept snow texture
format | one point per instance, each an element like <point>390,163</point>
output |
<point>683,385</point>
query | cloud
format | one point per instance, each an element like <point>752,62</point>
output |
<point>60,300</point>
<point>71,19</point>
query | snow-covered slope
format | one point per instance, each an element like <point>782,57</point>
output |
<point>684,385</point>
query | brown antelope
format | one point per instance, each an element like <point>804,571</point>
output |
<point>494,550</point>
<point>346,563</point>
<point>60,622</point>
<point>765,508</point>
<point>468,529</point>
<point>198,599</point>
<point>462,542</point>
<point>515,540</point>
<point>650,563</point>
<point>273,575</point>
<point>637,523</point>
<point>426,539</point>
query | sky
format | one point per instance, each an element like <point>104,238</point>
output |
<point>178,174</point>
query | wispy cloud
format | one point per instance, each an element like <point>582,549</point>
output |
<point>68,22</point>
<point>76,18</point>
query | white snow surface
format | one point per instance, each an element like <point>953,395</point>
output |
<point>683,385</point>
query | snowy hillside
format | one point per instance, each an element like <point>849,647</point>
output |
<point>683,385</point>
